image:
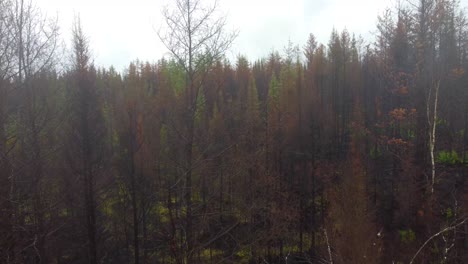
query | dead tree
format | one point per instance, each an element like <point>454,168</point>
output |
<point>196,38</point>
<point>86,133</point>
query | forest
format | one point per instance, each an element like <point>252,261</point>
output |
<point>353,151</point>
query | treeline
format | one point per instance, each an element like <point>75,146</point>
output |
<point>338,153</point>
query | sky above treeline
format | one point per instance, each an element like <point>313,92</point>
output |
<point>121,31</point>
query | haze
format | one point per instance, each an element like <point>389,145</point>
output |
<point>122,31</point>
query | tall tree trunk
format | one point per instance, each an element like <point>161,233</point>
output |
<point>135,212</point>
<point>90,217</point>
<point>432,119</point>
<point>89,188</point>
<point>6,187</point>
<point>188,190</point>
<point>145,231</point>
<point>37,172</point>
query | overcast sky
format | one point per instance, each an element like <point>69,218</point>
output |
<point>121,31</point>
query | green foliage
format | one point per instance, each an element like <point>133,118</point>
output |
<point>208,253</point>
<point>449,213</point>
<point>199,115</point>
<point>63,212</point>
<point>449,158</point>
<point>176,76</point>
<point>252,95</point>
<point>162,212</point>
<point>274,92</point>
<point>407,236</point>
<point>243,253</point>
<point>410,134</point>
<point>441,122</point>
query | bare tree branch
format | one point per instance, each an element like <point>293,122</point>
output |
<point>449,228</point>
